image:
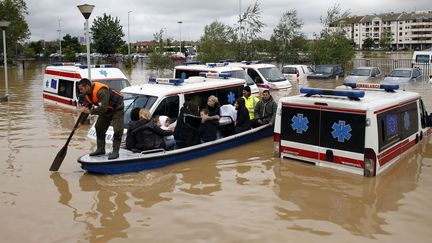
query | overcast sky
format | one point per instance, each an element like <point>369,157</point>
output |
<point>149,16</point>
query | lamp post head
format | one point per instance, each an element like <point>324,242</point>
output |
<point>179,22</point>
<point>86,10</point>
<point>4,24</point>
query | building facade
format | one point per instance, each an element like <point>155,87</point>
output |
<point>408,30</point>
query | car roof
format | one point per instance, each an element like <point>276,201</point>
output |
<point>364,68</point>
<point>201,67</point>
<point>403,69</point>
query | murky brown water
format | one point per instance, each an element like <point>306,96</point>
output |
<point>240,195</point>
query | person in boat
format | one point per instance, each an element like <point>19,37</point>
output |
<point>227,120</point>
<point>188,122</point>
<point>135,121</point>
<point>265,110</point>
<point>243,122</point>
<point>250,101</point>
<point>165,124</point>
<point>213,106</point>
<point>147,134</point>
<point>108,105</point>
<point>208,130</point>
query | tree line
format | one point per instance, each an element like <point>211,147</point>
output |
<point>287,44</point>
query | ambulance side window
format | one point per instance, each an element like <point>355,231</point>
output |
<point>300,125</point>
<point>168,107</point>
<point>184,74</point>
<point>200,98</point>
<point>255,76</point>
<point>389,130</point>
<point>65,88</point>
<point>343,131</point>
<point>408,118</point>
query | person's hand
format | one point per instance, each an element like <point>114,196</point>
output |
<point>85,110</point>
<point>260,121</point>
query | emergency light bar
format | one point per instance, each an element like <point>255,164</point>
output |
<point>64,64</point>
<point>166,81</point>
<point>216,64</point>
<point>215,75</point>
<point>386,87</point>
<point>192,63</point>
<point>351,94</point>
<point>96,66</point>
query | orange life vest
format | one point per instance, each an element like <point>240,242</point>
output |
<point>115,97</point>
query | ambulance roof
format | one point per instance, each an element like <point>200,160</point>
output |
<point>97,73</point>
<point>190,85</point>
<point>374,100</point>
<point>209,68</point>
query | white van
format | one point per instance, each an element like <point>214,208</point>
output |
<point>296,73</point>
<point>166,96</point>
<point>60,81</point>
<point>363,131</point>
<point>189,70</point>
<point>423,61</point>
<point>266,76</point>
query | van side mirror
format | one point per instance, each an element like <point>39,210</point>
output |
<point>373,75</point>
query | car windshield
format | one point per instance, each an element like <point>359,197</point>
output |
<point>272,74</point>
<point>132,101</point>
<point>289,70</point>
<point>400,73</point>
<point>324,69</point>
<point>116,84</point>
<point>241,74</point>
<point>360,72</point>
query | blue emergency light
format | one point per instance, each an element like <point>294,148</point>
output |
<point>351,94</point>
<point>96,66</point>
<point>166,81</point>
<point>386,87</point>
<point>215,75</point>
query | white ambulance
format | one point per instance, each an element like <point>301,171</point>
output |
<point>363,131</point>
<point>60,81</point>
<point>194,69</point>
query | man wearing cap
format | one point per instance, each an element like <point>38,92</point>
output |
<point>250,101</point>
<point>108,105</point>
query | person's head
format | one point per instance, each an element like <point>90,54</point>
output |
<point>134,115</point>
<point>266,95</point>
<point>246,91</point>
<point>84,86</point>
<point>204,113</point>
<point>164,121</point>
<point>156,121</point>
<point>240,102</point>
<point>212,100</point>
<point>144,113</point>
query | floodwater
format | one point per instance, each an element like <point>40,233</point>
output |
<point>241,195</point>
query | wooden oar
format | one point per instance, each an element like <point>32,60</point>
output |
<point>62,153</point>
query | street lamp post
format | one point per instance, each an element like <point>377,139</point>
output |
<point>3,25</point>
<point>180,22</point>
<point>59,30</point>
<point>86,11</point>
<point>128,36</point>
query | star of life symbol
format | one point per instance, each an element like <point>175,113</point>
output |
<point>341,131</point>
<point>47,83</point>
<point>103,72</point>
<point>406,120</point>
<point>231,97</point>
<point>183,75</point>
<point>299,123</point>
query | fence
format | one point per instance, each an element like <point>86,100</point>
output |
<point>387,65</point>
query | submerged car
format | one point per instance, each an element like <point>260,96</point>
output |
<point>327,71</point>
<point>297,73</point>
<point>403,75</point>
<point>364,74</point>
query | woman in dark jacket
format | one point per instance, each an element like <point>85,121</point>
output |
<point>208,129</point>
<point>188,122</point>
<point>213,106</point>
<point>147,134</point>
<point>243,122</point>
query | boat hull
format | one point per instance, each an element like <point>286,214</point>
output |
<point>135,162</point>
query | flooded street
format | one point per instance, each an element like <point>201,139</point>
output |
<point>239,195</point>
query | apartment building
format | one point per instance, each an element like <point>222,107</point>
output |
<point>408,30</point>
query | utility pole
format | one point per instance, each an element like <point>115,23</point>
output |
<point>128,36</point>
<point>59,31</point>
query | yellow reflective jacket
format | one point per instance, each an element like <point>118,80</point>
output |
<point>250,104</point>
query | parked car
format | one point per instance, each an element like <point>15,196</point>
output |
<point>364,74</point>
<point>297,73</point>
<point>327,71</point>
<point>403,75</point>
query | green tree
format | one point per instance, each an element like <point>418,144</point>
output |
<point>36,47</point>
<point>386,38</point>
<point>216,43</point>
<point>368,43</point>
<point>157,60</point>
<point>284,34</point>
<point>107,34</point>
<point>17,32</point>
<point>73,43</point>
<point>69,54</point>
<point>250,26</point>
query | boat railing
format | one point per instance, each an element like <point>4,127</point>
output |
<point>152,151</point>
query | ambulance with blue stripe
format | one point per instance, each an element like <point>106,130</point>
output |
<point>358,128</point>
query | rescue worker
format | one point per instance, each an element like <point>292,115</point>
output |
<point>108,105</point>
<point>250,101</point>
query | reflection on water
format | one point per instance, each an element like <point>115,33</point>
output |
<point>238,195</point>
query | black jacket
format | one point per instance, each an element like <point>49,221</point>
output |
<point>148,136</point>
<point>208,130</point>
<point>186,130</point>
<point>243,122</point>
<point>215,110</point>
